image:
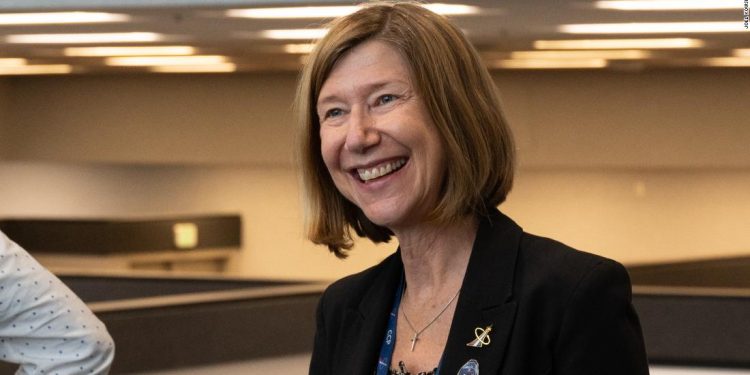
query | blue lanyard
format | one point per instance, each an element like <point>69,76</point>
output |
<point>389,341</point>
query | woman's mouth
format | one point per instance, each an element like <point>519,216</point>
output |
<point>380,170</point>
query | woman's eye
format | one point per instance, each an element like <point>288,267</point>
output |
<point>333,113</point>
<point>385,99</point>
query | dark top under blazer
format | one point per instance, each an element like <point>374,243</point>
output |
<point>553,310</point>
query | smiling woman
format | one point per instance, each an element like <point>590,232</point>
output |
<point>377,139</point>
<point>402,135</point>
<point>458,103</point>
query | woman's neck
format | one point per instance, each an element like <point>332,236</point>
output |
<point>435,257</point>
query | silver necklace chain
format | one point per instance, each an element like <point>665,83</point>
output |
<point>419,332</point>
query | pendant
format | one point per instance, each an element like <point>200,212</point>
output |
<point>414,341</point>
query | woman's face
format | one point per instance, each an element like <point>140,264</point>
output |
<point>377,138</point>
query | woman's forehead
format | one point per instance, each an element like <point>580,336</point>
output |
<point>366,67</point>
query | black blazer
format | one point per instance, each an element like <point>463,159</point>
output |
<point>553,310</point>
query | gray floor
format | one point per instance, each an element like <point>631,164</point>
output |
<point>294,365</point>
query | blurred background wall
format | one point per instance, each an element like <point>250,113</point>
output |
<point>640,167</point>
<point>4,100</point>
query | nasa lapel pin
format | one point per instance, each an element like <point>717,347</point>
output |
<point>469,368</point>
<point>482,337</point>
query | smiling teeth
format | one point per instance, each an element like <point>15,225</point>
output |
<point>380,170</point>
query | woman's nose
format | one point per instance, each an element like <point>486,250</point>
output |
<point>361,132</point>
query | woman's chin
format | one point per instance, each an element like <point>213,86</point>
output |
<point>391,220</point>
<point>383,219</point>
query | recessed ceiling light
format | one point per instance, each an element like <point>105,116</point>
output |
<point>652,27</point>
<point>213,68</point>
<point>550,64</point>
<point>132,37</point>
<point>60,18</point>
<point>129,51</point>
<point>592,54</point>
<point>742,52</point>
<point>165,60</point>
<point>294,34</point>
<point>667,4</point>
<point>652,43</point>
<point>336,11</point>
<point>36,69</point>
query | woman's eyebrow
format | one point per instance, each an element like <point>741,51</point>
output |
<point>368,88</point>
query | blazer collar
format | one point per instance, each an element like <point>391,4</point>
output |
<point>485,300</point>
<point>369,320</point>
<point>486,297</point>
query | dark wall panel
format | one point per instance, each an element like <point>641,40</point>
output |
<point>119,236</point>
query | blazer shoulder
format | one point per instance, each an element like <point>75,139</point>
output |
<point>545,262</point>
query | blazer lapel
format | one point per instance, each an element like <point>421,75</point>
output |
<point>366,325</point>
<point>486,298</point>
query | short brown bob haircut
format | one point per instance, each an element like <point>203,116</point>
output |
<point>458,93</point>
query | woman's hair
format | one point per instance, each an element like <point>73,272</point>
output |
<point>459,95</point>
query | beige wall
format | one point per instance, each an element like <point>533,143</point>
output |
<point>638,216</point>
<point>154,119</point>
<point>654,119</point>
<point>632,216</point>
<point>267,199</point>
<point>3,117</point>
<point>639,167</point>
<point>584,119</point>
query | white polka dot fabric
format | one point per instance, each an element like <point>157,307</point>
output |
<point>44,326</point>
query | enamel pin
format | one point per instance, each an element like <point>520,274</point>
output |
<point>469,368</point>
<point>482,337</point>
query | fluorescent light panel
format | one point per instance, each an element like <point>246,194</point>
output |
<point>214,68</point>
<point>727,61</point>
<point>603,54</point>
<point>652,27</point>
<point>165,60</point>
<point>36,69</point>
<point>299,48</point>
<point>60,18</point>
<point>12,61</point>
<point>129,51</point>
<point>292,12</point>
<point>452,9</point>
<point>668,4</point>
<point>653,43</point>
<point>294,34</point>
<point>551,64</point>
<point>336,11</point>
<point>132,37</point>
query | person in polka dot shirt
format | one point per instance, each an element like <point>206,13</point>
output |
<point>44,326</point>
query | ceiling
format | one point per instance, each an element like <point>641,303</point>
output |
<point>500,31</point>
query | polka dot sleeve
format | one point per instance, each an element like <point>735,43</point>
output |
<point>44,326</point>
